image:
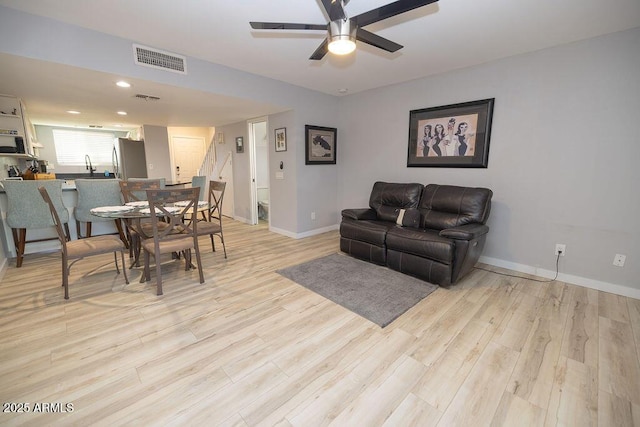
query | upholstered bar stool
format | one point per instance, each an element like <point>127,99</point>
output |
<point>93,193</point>
<point>26,210</point>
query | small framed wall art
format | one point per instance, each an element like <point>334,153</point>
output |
<point>320,145</point>
<point>454,136</point>
<point>239,145</point>
<point>281,139</point>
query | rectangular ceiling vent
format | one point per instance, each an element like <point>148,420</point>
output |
<point>159,59</point>
<point>146,97</point>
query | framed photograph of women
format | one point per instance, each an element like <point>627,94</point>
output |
<point>320,145</point>
<point>281,139</point>
<point>454,136</point>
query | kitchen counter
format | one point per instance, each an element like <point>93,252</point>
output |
<point>70,200</point>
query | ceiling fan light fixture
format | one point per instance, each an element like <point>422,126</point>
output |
<point>342,37</point>
<point>340,46</point>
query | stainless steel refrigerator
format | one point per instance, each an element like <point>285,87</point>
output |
<point>129,160</point>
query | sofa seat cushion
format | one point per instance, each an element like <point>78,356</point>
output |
<point>422,243</point>
<point>373,232</point>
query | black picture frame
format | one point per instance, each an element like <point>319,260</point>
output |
<point>320,145</point>
<point>239,144</point>
<point>281,139</point>
<point>462,138</point>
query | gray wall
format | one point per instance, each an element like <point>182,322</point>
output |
<point>562,161</point>
<point>157,151</point>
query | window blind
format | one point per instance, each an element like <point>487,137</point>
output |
<point>73,145</point>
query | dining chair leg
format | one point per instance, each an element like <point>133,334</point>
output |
<point>79,229</point>
<point>118,222</point>
<point>224,247</point>
<point>124,268</point>
<point>199,261</point>
<point>158,274</point>
<point>65,276</point>
<point>19,240</point>
<point>88,229</point>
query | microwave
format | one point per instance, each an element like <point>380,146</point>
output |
<point>12,145</point>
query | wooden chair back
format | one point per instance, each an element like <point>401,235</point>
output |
<point>178,235</point>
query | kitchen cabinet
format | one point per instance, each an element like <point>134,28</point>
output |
<point>15,125</point>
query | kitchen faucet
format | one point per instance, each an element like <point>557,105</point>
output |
<point>88,165</point>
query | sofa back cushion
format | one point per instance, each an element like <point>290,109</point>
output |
<point>447,206</point>
<point>388,198</point>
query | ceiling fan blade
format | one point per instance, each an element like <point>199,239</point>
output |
<point>377,41</point>
<point>389,10</point>
<point>286,26</point>
<point>334,9</point>
<point>321,51</point>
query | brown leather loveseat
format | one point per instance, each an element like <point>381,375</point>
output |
<point>434,232</point>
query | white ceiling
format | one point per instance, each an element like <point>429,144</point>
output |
<point>444,36</point>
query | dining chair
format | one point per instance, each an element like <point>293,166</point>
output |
<point>78,249</point>
<point>213,225</point>
<point>200,181</point>
<point>135,190</point>
<point>93,193</point>
<point>140,194</point>
<point>26,211</point>
<point>180,236</point>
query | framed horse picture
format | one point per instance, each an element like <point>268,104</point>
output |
<point>320,145</point>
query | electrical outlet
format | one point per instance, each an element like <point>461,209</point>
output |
<point>619,260</point>
<point>313,216</point>
<point>561,249</point>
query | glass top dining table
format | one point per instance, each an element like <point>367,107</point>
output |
<point>133,212</point>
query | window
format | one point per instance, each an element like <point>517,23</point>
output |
<point>73,145</point>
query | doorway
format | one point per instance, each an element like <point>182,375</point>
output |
<point>259,167</point>
<point>188,153</point>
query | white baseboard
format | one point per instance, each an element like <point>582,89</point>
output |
<point>306,233</point>
<point>568,278</point>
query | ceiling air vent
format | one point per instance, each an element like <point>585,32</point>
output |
<point>159,59</point>
<point>146,97</point>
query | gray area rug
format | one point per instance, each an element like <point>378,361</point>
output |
<point>372,291</point>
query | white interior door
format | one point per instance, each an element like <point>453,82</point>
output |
<point>188,154</point>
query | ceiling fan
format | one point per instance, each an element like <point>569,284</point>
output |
<point>342,31</point>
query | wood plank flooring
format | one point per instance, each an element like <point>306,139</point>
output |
<point>251,348</point>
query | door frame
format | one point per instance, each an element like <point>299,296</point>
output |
<point>253,190</point>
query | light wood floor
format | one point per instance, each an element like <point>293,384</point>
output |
<point>250,347</point>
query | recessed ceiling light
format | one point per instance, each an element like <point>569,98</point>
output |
<point>343,90</point>
<point>122,83</point>
<point>73,112</point>
<point>122,113</point>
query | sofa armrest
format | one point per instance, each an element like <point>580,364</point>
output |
<point>465,232</point>
<point>364,213</point>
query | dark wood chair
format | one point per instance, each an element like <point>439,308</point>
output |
<point>213,225</point>
<point>179,236</point>
<point>135,190</point>
<point>78,249</point>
